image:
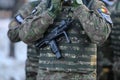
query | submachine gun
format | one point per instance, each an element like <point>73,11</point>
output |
<point>57,32</point>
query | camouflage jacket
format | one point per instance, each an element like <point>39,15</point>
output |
<point>95,30</point>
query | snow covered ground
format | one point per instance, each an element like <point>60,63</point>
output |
<point>11,68</point>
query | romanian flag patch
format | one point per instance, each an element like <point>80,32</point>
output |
<point>103,11</point>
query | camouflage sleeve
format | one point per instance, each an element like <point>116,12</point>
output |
<point>14,26</point>
<point>34,25</point>
<point>33,29</point>
<point>96,27</point>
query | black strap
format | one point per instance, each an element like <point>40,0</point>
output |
<point>84,2</point>
<point>88,3</point>
<point>48,3</point>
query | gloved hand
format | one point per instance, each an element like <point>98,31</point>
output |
<point>54,8</point>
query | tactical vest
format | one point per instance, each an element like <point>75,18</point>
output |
<point>78,56</point>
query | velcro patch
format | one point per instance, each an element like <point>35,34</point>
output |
<point>19,19</point>
<point>103,11</point>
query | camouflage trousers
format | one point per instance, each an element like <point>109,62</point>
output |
<point>46,75</point>
<point>31,75</point>
<point>31,69</point>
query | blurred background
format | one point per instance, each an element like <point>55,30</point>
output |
<point>13,55</point>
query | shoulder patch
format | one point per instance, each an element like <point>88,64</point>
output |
<point>19,19</point>
<point>103,11</point>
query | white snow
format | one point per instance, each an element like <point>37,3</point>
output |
<point>11,68</point>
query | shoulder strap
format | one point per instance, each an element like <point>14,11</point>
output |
<point>84,2</point>
<point>88,4</point>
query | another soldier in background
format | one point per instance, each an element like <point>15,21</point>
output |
<point>105,54</point>
<point>113,43</point>
<point>115,39</point>
<point>78,61</point>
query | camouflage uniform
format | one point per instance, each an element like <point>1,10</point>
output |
<point>79,56</point>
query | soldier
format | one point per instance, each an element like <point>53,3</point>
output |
<point>105,53</point>
<point>115,39</point>
<point>88,29</point>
